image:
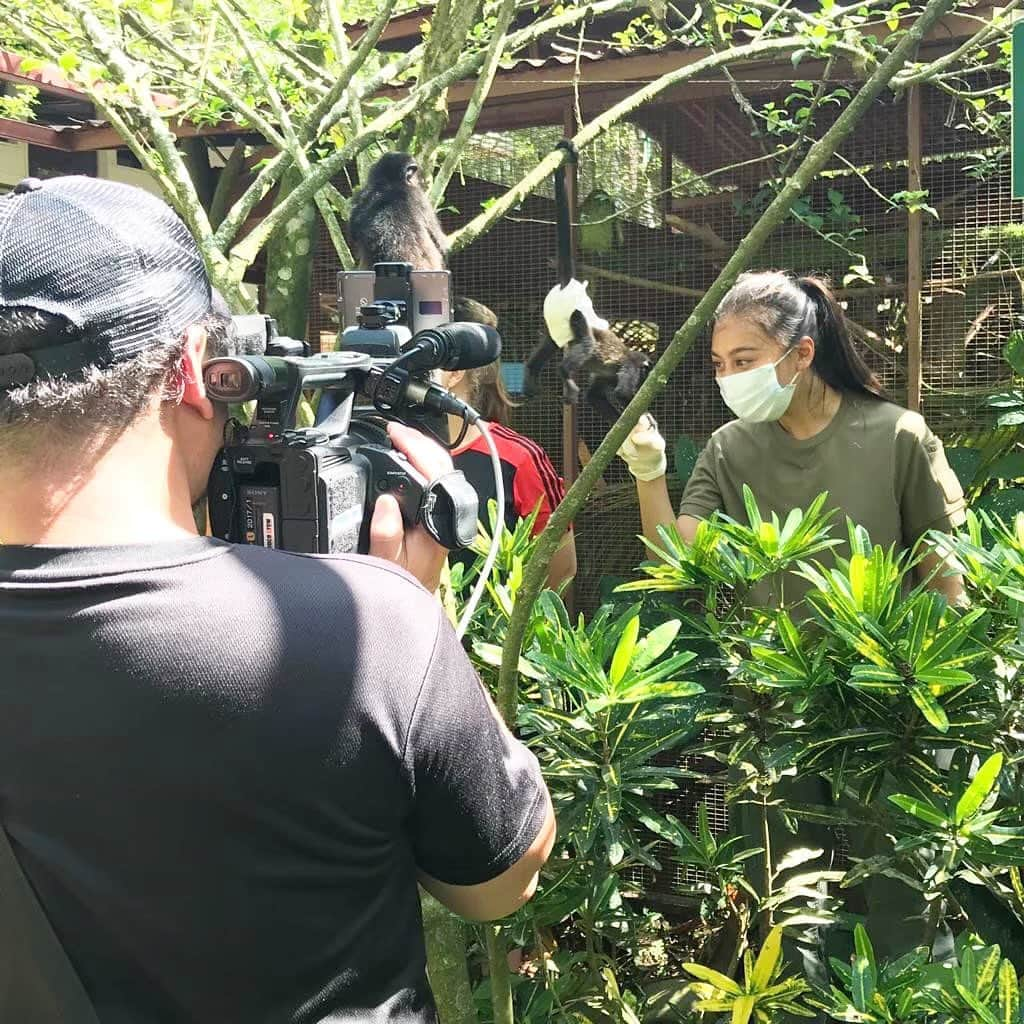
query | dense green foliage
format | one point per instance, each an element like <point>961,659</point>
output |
<point>907,712</point>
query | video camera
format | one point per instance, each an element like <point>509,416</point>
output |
<point>313,489</point>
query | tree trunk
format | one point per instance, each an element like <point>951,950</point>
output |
<point>445,937</point>
<point>290,264</point>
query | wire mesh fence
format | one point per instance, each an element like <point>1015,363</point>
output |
<point>649,257</point>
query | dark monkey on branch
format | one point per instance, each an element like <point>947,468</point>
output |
<point>392,220</point>
<point>593,355</point>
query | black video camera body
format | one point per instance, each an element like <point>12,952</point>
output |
<point>314,489</point>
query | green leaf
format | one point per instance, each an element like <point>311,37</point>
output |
<point>929,707</point>
<point>753,513</point>
<point>1009,994</point>
<point>612,792</point>
<point>919,809</point>
<point>1005,503</point>
<point>1009,467</point>
<point>965,462</point>
<point>794,858</point>
<point>978,791</point>
<point>742,1009</point>
<point>1013,352</point>
<point>624,651</point>
<point>863,986</point>
<point>713,977</point>
<point>767,961</point>
<point>655,644</point>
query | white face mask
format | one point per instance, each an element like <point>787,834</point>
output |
<point>756,395</point>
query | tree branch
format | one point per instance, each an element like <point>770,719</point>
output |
<point>331,107</point>
<point>343,53</point>
<point>476,227</point>
<point>476,102</point>
<point>423,93</point>
<point>177,182</point>
<point>290,143</point>
<point>817,157</point>
<point>982,36</point>
<point>217,85</point>
<point>226,182</point>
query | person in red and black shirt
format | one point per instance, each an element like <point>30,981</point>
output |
<point>531,481</point>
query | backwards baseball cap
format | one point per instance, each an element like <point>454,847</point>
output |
<point>110,258</point>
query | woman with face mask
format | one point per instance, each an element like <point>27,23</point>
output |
<point>811,417</point>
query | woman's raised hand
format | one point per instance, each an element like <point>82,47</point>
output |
<point>644,450</point>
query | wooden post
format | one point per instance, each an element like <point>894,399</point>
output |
<point>915,269</point>
<point>666,171</point>
<point>570,413</point>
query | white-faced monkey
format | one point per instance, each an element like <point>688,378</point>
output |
<point>593,355</point>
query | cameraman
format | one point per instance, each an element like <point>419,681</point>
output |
<point>222,769</point>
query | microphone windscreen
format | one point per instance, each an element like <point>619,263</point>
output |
<point>474,345</point>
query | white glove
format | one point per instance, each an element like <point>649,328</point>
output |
<point>560,304</point>
<point>644,450</point>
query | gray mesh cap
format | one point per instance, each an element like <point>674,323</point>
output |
<point>112,259</point>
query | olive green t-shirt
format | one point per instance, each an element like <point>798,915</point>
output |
<point>880,464</point>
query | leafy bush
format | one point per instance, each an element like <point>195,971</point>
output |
<point>903,710</point>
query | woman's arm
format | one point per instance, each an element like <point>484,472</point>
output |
<point>931,498</point>
<point>656,510</point>
<point>563,562</point>
<point>937,571</point>
<point>644,454</point>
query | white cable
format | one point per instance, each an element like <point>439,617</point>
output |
<point>499,525</point>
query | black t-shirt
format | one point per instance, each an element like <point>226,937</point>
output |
<point>220,768</point>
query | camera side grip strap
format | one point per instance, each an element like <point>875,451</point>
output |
<point>450,510</point>
<point>37,980</point>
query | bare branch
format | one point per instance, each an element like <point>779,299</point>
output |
<point>228,8</point>
<point>377,129</point>
<point>331,108</point>
<point>991,30</point>
<point>344,54</point>
<point>476,102</point>
<point>216,84</point>
<point>177,182</point>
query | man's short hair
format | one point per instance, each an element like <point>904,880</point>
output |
<point>99,282</point>
<point>108,397</point>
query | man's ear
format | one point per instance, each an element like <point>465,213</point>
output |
<point>191,368</point>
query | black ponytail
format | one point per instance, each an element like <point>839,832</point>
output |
<point>836,361</point>
<point>789,308</point>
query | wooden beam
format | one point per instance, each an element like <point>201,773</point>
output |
<point>915,268</point>
<point>587,270</point>
<point>33,134</point>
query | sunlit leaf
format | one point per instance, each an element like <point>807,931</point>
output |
<point>978,791</point>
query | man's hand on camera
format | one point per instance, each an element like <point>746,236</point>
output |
<point>412,549</point>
